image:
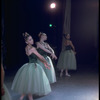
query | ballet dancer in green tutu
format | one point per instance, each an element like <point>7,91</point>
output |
<point>5,95</point>
<point>44,49</point>
<point>31,79</point>
<point>67,60</point>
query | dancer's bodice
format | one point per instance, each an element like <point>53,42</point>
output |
<point>32,58</point>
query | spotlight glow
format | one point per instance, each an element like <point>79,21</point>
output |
<point>50,25</point>
<point>52,5</point>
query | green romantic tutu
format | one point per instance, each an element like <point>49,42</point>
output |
<point>67,60</point>
<point>6,96</point>
<point>31,78</point>
<point>49,72</point>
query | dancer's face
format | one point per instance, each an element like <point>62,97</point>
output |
<point>30,40</point>
<point>44,37</point>
<point>68,36</point>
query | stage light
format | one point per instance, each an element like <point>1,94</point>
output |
<point>53,5</point>
<point>50,25</point>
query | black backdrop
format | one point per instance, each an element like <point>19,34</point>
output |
<point>35,16</point>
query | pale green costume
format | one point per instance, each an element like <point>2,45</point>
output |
<point>6,96</point>
<point>49,72</point>
<point>31,78</point>
<point>67,59</point>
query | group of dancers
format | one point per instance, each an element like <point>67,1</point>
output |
<point>36,76</point>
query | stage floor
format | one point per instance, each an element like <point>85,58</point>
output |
<point>82,85</point>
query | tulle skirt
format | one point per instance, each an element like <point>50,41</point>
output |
<point>31,78</point>
<point>6,96</point>
<point>49,72</point>
<point>67,60</point>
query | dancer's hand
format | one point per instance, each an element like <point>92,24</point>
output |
<point>47,65</point>
<point>53,56</point>
<point>2,91</point>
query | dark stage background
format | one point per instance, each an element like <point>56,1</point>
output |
<point>33,16</point>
